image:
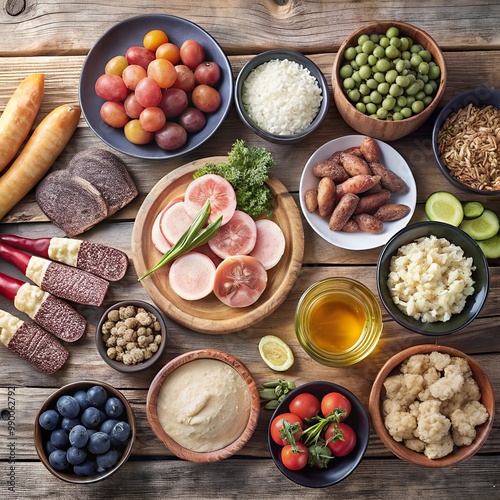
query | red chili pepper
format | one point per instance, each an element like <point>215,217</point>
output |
<point>39,246</point>
<point>9,286</point>
<point>20,259</point>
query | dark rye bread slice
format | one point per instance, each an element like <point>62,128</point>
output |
<point>107,173</point>
<point>71,203</point>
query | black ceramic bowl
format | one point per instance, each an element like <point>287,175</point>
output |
<point>131,32</point>
<point>478,98</point>
<point>340,467</point>
<point>481,276</point>
<point>119,365</point>
<point>281,54</point>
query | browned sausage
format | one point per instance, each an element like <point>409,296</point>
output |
<point>326,196</point>
<point>351,226</point>
<point>391,212</point>
<point>354,165</point>
<point>357,184</point>
<point>311,200</point>
<point>332,169</point>
<point>369,150</point>
<point>343,211</point>
<point>389,179</point>
<point>368,223</point>
<point>368,204</point>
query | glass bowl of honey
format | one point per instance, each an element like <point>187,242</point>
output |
<point>338,321</point>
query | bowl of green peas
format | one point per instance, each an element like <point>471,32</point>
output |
<point>388,78</point>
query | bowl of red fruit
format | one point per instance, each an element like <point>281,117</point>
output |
<point>155,86</point>
<point>318,434</point>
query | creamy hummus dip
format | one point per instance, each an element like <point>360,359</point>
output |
<point>204,405</point>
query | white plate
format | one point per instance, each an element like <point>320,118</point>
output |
<point>358,240</point>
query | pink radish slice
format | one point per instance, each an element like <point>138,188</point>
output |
<point>191,276</point>
<point>174,222</point>
<point>240,281</point>
<point>237,237</point>
<point>175,200</point>
<point>215,188</point>
<point>159,241</point>
<point>206,250</point>
<point>270,244</point>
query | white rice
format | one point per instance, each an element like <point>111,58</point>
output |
<point>281,97</point>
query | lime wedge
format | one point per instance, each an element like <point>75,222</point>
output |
<point>483,227</point>
<point>444,207</point>
<point>491,247</point>
<point>276,353</point>
<point>473,209</point>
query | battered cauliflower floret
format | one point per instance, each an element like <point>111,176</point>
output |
<point>416,364</point>
<point>400,425</point>
<point>137,355</point>
<point>464,422</point>
<point>404,388</point>
<point>432,426</point>
<point>114,315</point>
<point>471,390</point>
<point>439,360</point>
<point>389,406</point>
<point>462,363</point>
<point>439,449</point>
<point>415,444</point>
<point>456,402</point>
<point>431,375</point>
<point>127,312</point>
<point>450,384</point>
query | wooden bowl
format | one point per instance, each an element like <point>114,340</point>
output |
<point>41,436</point>
<point>210,315</point>
<point>386,130</point>
<point>399,449</point>
<point>179,450</point>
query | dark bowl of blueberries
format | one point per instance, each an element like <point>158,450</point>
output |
<point>84,432</point>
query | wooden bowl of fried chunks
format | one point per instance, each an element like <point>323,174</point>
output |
<point>432,405</point>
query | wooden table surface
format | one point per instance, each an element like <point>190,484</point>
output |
<point>53,37</point>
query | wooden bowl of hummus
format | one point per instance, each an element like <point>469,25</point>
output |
<point>203,405</point>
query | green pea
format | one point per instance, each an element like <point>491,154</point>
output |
<point>434,72</point>
<point>367,47</point>
<point>372,83</point>
<point>406,55</point>
<point>371,108</point>
<point>383,65</point>
<point>406,112</point>
<point>409,100</point>
<point>402,81</point>
<point>365,72</point>
<point>395,90</point>
<point>354,95</point>
<point>383,88</point>
<point>349,83</point>
<point>364,89</point>
<point>416,48</point>
<point>379,76</point>
<point>354,65</point>
<point>361,107</point>
<point>372,60</point>
<point>376,97</point>
<point>391,32</point>
<point>423,68</point>
<point>424,78</point>
<point>427,100</point>
<point>420,83</point>
<point>366,99</point>
<point>391,76</point>
<point>405,43</point>
<point>379,51</point>
<point>428,89</point>
<point>350,53</point>
<point>401,100</point>
<point>400,66</point>
<point>382,113</point>
<point>358,49</point>
<point>361,59</point>
<point>434,85</point>
<point>397,116</point>
<point>420,95</point>
<point>395,42</point>
<point>345,71</point>
<point>396,109</point>
<point>425,55</point>
<point>391,52</point>
<point>384,42</point>
<point>362,39</point>
<point>411,77</point>
<point>412,89</point>
<point>374,37</point>
<point>415,60</point>
<point>356,77</point>
<point>388,103</point>
<point>417,107</point>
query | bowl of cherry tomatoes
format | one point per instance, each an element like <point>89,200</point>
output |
<point>318,434</point>
<point>155,86</point>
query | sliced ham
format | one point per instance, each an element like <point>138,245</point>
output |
<point>270,244</point>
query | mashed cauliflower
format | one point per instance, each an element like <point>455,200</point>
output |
<point>430,279</point>
<point>433,404</point>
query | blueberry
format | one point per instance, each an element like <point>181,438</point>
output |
<point>99,443</point>
<point>84,469</point>
<point>91,417</point>
<point>96,396</point>
<point>121,432</point>
<point>81,397</point>
<point>58,460</point>
<point>113,407</point>
<point>68,423</point>
<point>49,420</point>
<point>49,447</point>
<point>78,436</point>
<point>59,438</point>
<point>68,406</point>
<point>109,459</point>
<point>102,415</point>
<point>107,426</point>
<point>75,455</point>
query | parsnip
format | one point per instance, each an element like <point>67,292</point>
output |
<point>18,116</point>
<point>47,142</point>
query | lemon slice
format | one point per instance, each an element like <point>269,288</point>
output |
<point>276,353</point>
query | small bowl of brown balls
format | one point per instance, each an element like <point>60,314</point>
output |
<point>131,335</point>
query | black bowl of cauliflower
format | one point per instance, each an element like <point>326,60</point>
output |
<point>432,405</point>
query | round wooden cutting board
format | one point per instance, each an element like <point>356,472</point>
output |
<point>210,315</point>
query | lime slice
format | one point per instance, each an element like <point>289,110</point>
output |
<point>491,247</point>
<point>444,207</point>
<point>483,227</point>
<point>276,353</point>
<point>473,209</point>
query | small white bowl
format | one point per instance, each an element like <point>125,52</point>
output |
<point>359,240</point>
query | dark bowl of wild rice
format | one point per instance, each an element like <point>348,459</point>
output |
<point>464,141</point>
